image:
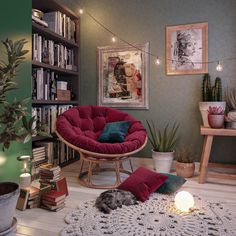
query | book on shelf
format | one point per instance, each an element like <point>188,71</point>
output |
<point>51,53</point>
<point>61,24</point>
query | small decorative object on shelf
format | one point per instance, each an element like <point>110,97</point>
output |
<point>185,165</point>
<point>216,117</point>
<point>211,96</point>
<point>37,16</point>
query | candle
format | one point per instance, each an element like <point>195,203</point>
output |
<point>25,180</point>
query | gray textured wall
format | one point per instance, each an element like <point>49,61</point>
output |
<point>172,98</point>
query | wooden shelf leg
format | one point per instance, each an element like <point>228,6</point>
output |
<point>206,150</point>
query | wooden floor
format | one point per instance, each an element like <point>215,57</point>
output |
<point>38,222</point>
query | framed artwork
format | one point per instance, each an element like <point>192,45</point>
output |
<point>123,76</point>
<point>187,49</point>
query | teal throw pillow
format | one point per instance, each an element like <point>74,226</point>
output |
<point>171,185</point>
<point>114,132</point>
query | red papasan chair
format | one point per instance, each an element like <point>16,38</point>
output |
<point>79,127</point>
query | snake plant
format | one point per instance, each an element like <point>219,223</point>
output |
<point>162,140</point>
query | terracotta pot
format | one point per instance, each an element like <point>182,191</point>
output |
<point>185,170</point>
<point>216,121</point>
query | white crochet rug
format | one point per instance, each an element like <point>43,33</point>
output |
<point>156,217</point>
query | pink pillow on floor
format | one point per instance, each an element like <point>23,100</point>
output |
<point>142,183</point>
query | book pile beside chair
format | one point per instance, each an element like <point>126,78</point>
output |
<point>49,174</point>
<point>54,199</point>
<point>33,199</point>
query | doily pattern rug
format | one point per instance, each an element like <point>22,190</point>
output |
<point>155,217</point>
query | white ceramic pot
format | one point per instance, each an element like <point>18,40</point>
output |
<point>9,193</point>
<point>162,161</point>
<point>204,107</point>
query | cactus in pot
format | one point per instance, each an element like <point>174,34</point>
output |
<point>211,96</point>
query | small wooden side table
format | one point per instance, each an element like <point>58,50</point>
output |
<point>209,133</point>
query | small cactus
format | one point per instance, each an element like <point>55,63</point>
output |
<point>211,93</point>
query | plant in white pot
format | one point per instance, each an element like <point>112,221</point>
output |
<point>14,126</point>
<point>211,96</point>
<point>163,143</point>
<point>185,165</point>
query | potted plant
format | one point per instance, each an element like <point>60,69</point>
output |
<point>230,97</point>
<point>216,117</point>
<point>14,125</point>
<point>185,165</point>
<point>211,96</point>
<point>163,143</point>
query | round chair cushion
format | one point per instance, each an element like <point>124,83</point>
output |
<point>82,125</point>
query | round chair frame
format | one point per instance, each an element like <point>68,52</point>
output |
<point>95,159</point>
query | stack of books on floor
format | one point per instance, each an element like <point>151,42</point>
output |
<point>53,200</point>
<point>33,198</point>
<point>29,198</point>
<point>49,173</point>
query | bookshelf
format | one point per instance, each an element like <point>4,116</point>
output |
<point>55,58</point>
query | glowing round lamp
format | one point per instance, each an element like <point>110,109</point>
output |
<point>184,201</point>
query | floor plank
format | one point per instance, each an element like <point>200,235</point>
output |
<point>38,222</point>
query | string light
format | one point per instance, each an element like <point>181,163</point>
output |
<point>113,39</point>
<point>219,67</point>
<point>158,62</point>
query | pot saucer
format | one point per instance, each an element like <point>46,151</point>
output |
<point>13,227</point>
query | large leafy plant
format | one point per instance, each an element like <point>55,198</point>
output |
<point>14,125</point>
<point>162,140</point>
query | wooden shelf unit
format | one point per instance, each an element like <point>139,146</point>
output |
<point>63,74</point>
<point>209,134</point>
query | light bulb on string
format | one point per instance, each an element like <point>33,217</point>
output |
<point>113,39</point>
<point>81,11</point>
<point>158,62</point>
<point>219,67</point>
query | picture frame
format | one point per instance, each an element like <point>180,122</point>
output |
<point>187,49</point>
<point>123,73</point>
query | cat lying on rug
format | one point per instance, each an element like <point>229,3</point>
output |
<point>111,199</point>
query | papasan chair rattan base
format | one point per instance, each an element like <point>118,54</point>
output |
<point>80,127</point>
<point>95,160</point>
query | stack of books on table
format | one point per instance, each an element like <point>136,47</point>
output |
<point>33,198</point>
<point>53,200</point>
<point>49,174</point>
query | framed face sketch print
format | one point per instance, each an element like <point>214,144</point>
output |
<point>123,76</point>
<point>187,49</point>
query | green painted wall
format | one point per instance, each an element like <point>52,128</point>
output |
<point>15,23</point>
<point>171,97</point>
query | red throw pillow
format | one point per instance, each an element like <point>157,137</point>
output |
<point>142,183</point>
